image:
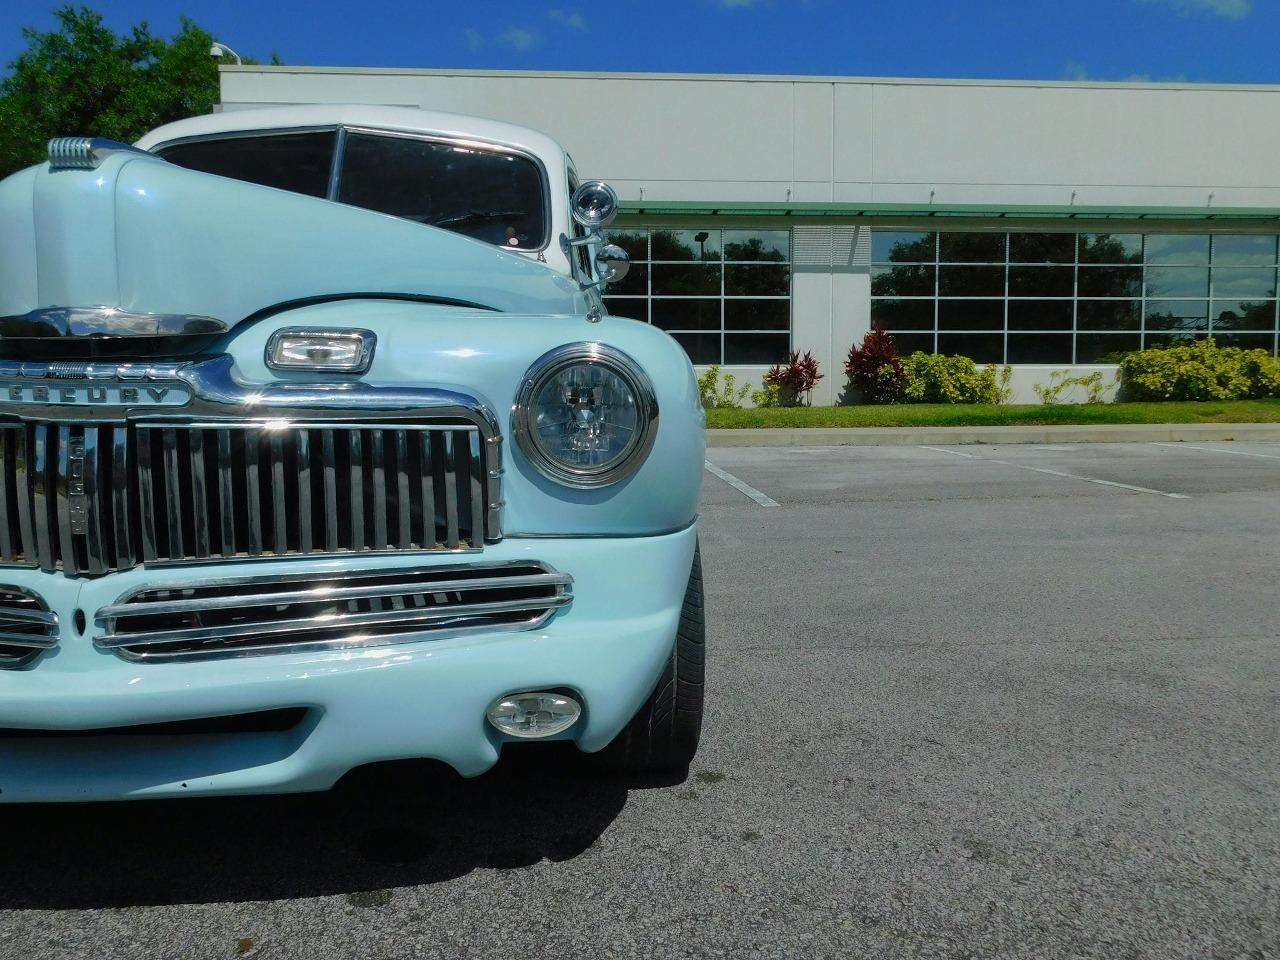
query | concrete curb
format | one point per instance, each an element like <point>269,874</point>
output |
<point>916,436</point>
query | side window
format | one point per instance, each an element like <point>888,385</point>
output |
<point>583,252</point>
<point>487,194</point>
<point>299,162</point>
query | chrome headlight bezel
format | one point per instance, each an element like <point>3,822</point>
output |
<point>620,365</point>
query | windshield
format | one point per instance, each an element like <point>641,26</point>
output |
<point>482,192</point>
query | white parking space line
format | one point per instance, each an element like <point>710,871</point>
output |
<point>1234,453</point>
<point>741,486</point>
<point>1061,473</point>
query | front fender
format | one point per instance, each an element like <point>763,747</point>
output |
<point>486,354</point>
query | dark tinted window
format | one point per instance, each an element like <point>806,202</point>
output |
<point>298,162</point>
<point>491,196</point>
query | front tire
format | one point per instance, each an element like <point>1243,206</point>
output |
<point>664,733</point>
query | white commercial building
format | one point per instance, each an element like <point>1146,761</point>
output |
<point>1046,225</point>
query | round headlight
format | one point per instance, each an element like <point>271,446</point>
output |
<point>586,415</point>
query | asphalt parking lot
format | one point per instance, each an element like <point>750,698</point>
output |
<point>965,702</point>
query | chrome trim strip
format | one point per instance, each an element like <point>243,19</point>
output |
<point>320,594</point>
<point>85,153</point>
<point>49,323</point>
<point>120,473</point>
<point>338,645</point>
<point>226,494</point>
<point>172,493</point>
<point>448,457</point>
<point>347,589</point>
<point>199,494</point>
<point>64,503</point>
<point>176,582</point>
<point>18,648</point>
<point>111,641</point>
<point>7,553</point>
<point>377,453</point>
<point>147,499</point>
<point>279,504</point>
<point>40,501</point>
<point>95,555</point>
<point>22,488</point>
<point>404,505</point>
<point>354,444</point>
<point>329,470</point>
<point>306,541</point>
<point>32,641</point>
<point>28,614</point>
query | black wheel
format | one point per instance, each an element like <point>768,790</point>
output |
<point>663,735</point>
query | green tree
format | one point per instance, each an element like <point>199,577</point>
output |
<point>84,79</point>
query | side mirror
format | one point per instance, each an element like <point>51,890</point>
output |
<point>594,205</point>
<point>612,263</point>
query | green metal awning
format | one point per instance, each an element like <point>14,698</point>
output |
<point>938,210</point>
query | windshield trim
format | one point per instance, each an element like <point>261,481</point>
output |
<point>335,170</point>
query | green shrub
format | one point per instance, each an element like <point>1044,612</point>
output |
<point>1199,371</point>
<point>769,395</point>
<point>1060,382</point>
<point>934,378</point>
<point>727,395</point>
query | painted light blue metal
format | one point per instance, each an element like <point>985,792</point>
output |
<point>145,237</point>
<point>486,354</point>
<point>138,233</point>
<point>423,699</point>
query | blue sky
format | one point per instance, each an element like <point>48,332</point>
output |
<point>1230,41</point>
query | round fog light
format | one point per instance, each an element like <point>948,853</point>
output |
<point>533,715</point>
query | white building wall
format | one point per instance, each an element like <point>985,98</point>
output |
<point>779,139</point>
<point>875,140</point>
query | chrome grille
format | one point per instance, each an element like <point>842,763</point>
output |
<point>26,626</point>
<point>92,498</point>
<point>328,611</point>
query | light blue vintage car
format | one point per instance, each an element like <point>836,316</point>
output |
<point>318,448</point>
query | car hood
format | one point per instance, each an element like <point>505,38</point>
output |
<point>146,238</point>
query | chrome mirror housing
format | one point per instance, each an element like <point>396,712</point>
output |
<point>612,263</point>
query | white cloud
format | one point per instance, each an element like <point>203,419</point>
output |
<point>1229,9</point>
<point>573,21</point>
<point>518,38</point>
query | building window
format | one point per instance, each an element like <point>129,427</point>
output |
<point>1071,297</point>
<point>724,295</point>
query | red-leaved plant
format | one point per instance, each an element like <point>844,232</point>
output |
<point>875,369</point>
<point>794,379</point>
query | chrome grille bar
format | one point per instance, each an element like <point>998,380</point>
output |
<point>7,530</point>
<point>27,627</point>
<point>41,499</point>
<point>183,620</point>
<point>86,499</point>
<point>121,471</point>
<point>96,554</point>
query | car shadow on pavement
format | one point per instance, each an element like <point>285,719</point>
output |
<point>382,827</point>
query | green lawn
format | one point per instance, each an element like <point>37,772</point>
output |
<point>975,415</point>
